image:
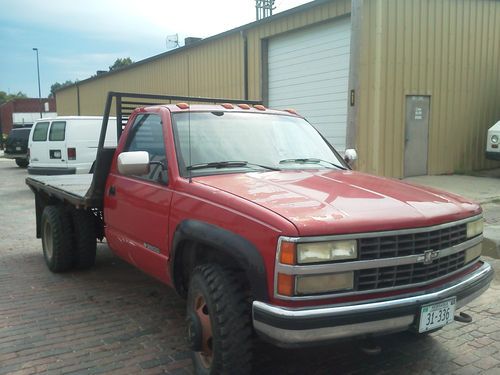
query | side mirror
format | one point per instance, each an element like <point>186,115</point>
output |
<point>350,156</point>
<point>133,163</point>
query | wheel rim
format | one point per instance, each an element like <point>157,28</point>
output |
<point>47,240</point>
<point>201,310</point>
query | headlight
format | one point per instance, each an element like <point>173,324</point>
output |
<point>494,139</point>
<point>474,228</point>
<point>318,252</point>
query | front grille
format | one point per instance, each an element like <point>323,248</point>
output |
<point>387,277</point>
<point>411,244</point>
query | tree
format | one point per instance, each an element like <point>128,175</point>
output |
<point>120,63</point>
<point>56,86</point>
<point>4,97</point>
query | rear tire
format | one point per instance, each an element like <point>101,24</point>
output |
<point>56,239</point>
<point>22,163</point>
<point>85,243</point>
<point>219,322</point>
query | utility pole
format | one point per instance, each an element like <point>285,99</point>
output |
<point>39,90</point>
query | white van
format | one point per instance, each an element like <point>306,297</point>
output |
<point>493,142</point>
<point>67,144</point>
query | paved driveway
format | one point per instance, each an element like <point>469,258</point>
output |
<point>115,319</point>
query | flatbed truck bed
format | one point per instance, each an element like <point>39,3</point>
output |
<point>72,189</point>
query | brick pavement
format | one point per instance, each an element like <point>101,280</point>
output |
<point>114,319</point>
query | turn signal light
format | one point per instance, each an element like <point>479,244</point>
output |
<point>287,253</point>
<point>286,284</point>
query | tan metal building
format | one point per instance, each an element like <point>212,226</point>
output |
<point>413,85</point>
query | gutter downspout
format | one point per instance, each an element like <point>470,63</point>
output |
<point>245,64</point>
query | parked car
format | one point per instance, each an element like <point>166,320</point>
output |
<point>16,146</point>
<point>67,144</point>
<point>493,142</point>
<point>263,227</point>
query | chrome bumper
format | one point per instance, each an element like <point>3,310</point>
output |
<point>297,327</point>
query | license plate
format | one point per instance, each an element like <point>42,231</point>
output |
<point>437,315</point>
<point>18,148</point>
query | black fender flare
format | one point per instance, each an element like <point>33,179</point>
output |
<point>228,244</point>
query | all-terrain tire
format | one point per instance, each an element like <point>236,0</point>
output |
<point>22,163</point>
<point>229,315</point>
<point>56,239</point>
<point>84,239</point>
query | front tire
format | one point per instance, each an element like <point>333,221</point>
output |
<point>219,322</point>
<point>56,239</point>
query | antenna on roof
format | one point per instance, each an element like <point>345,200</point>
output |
<point>264,8</point>
<point>172,41</point>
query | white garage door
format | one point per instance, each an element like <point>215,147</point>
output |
<point>309,72</point>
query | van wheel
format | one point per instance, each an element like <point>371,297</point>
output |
<point>219,323</point>
<point>22,163</point>
<point>56,239</point>
<point>84,239</point>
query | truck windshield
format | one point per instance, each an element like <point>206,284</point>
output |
<point>227,142</point>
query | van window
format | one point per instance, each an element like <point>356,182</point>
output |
<point>40,132</point>
<point>57,131</point>
<point>147,135</point>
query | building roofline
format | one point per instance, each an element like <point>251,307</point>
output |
<point>238,29</point>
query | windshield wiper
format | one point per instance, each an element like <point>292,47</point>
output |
<point>228,164</point>
<point>311,161</point>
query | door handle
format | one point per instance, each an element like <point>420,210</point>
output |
<point>112,190</point>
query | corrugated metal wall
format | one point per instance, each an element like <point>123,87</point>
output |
<point>448,49</point>
<point>216,67</point>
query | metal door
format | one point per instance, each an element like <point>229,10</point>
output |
<point>416,135</point>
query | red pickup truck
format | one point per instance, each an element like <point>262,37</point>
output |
<point>253,217</point>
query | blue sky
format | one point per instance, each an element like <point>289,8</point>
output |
<point>77,38</point>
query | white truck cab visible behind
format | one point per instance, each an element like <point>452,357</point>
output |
<point>67,144</point>
<point>493,142</point>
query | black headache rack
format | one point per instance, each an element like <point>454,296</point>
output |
<point>125,104</point>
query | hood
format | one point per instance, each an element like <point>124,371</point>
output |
<point>320,202</point>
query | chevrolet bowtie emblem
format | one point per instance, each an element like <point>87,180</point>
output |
<point>429,256</point>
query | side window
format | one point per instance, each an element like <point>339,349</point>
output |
<point>147,135</point>
<point>57,131</point>
<point>40,132</point>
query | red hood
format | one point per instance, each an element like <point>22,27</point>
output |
<point>322,202</point>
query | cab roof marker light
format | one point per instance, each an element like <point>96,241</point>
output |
<point>260,107</point>
<point>244,106</point>
<point>183,105</point>
<point>292,111</point>
<point>227,105</point>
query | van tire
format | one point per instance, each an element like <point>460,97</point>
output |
<point>84,239</point>
<point>217,301</point>
<point>22,163</point>
<point>56,239</point>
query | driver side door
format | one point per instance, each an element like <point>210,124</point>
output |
<point>138,207</point>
